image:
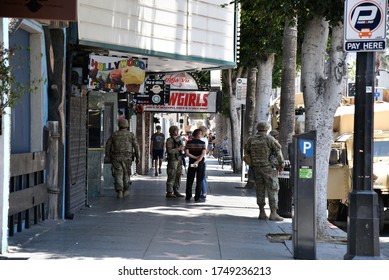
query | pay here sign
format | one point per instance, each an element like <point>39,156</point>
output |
<point>365,25</point>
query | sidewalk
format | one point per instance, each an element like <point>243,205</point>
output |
<point>148,226</point>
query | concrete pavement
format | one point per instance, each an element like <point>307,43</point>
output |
<point>148,226</point>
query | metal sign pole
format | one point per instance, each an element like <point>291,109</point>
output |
<point>363,222</point>
<point>365,33</point>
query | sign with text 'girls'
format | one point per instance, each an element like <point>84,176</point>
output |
<point>365,25</point>
<point>189,101</point>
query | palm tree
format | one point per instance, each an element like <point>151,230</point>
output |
<point>288,89</point>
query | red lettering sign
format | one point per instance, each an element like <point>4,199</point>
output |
<point>189,99</point>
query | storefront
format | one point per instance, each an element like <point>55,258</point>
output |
<point>125,55</point>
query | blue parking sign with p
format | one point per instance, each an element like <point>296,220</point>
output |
<point>306,147</point>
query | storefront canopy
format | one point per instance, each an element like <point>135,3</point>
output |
<point>173,35</point>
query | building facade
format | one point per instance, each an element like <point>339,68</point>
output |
<point>167,36</point>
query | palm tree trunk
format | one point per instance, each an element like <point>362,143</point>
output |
<point>264,88</point>
<point>250,103</point>
<point>288,88</point>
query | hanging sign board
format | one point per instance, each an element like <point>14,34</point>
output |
<point>241,91</point>
<point>155,93</point>
<point>180,80</point>
<point>189,101</point>
<point>39,9</point>
<point>121,74</point>
<point>365,25</point>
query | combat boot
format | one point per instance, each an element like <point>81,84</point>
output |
<point>126,193</point>
<point>120,194</point>
<point>178,194</point>
<point>170,195</point>
<point>262,213</point>
<point>250,185</point>
<point>274,216</point>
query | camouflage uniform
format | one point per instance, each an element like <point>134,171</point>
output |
<point>262,147</point>
<point>120,148</point>
<point>174,166</point>
<point>273,157</point>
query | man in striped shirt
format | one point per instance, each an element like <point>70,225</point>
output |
<point>195,149</point>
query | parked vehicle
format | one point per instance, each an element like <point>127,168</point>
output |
<point>341,158</point>
<point>341,165</point>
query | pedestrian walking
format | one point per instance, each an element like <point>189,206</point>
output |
<point>260,147</point>
<point>121,115</point>
<point>157,149</point>
<point>174,149</point>
<point>210,144</point>
<point>195,149</point>
<point>121,148</point>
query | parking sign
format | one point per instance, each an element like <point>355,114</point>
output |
<point>365,25</point>
<point>306,147</point>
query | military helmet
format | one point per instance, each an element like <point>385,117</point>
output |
<point>123,123</point>
<point>263,126</point>
<point>274,133</point>
<point>172,129</point>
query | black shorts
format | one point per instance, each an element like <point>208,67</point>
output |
<point>157,154</point>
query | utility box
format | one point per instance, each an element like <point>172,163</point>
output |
<point>303,156</point>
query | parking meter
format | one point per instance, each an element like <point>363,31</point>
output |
<point>303,155</point>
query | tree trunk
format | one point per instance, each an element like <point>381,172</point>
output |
<point>250,103</point>
<point>288,87</point>
<point>312,77</point>
<point>52,171</point>
<point>334,86</point>
<point>235,139</point>
<point>312,70</point>
<point>321,99</point>
<point>264,88</point>
<point>55,53</point>
<point>219,130</point>
<point>383,61</point>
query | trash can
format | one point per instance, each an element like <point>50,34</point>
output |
<point>285,194</point>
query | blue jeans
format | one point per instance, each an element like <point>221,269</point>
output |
<point>250,174</point>
<point>199,174</point>
<point>204,185</point>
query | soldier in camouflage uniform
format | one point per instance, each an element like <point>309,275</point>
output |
<point>261,147</point>
<point>121,147</point>
<point>174,150</point>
